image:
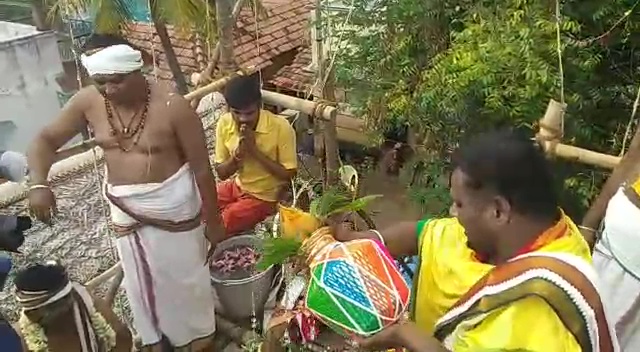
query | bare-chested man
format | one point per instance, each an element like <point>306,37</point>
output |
<point>158,179</point>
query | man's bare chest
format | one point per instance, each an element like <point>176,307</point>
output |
<point>152,135</point>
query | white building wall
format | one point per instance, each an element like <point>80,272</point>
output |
<point>29,63</point>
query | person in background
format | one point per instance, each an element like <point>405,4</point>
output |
<point>158,178</point>
<point>615,255</point>
<point>58,314</point>
<point>13,166</point>
<point>9,338</point>
<point>255,157</point>
<point>509,272</point>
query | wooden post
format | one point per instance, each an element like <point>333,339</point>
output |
<point>331,135</point>
<point>320,127</point>
<point>551,124</point>
<point>550,134</point>
<point>318,133</point>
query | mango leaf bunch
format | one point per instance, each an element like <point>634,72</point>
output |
<point>297,225</point>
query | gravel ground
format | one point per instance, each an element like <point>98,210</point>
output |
<point>80,238</point>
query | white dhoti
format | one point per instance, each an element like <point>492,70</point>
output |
<point>617,260</point>
<point>163,249</point>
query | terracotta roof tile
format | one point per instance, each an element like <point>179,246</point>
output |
<point>282,30</point>
<point>295,76</point>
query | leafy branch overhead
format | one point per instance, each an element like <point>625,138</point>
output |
<point>112,16</point>
<point>449,68</point>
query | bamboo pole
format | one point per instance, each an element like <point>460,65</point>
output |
<point>331,135</point>
<point>316,109</point>
<point>550,134</point>
<point>316,53</point>
<point>585,156</point>
<point>218,84</point>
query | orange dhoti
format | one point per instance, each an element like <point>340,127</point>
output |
<point>239,210</point>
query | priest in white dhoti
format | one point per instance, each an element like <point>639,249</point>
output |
<point>616,258</point>
<point>612,226</point>
<point>158,180</point>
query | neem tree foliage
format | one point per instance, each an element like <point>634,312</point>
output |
<point>449,68</point>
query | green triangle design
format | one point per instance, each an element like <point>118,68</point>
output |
<point>367,321</point>
<point>320,302</point>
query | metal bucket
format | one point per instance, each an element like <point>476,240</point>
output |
<point>236,295</point>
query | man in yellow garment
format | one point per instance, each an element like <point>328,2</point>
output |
<point>510,272</point>
<point>255,157</point>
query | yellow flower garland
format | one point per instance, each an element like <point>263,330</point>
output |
<point>36,339</point>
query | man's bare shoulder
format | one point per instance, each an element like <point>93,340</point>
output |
<point>163,93</point>
<point>163,87</point>
<point>168,103</point>
<point>84,98</point>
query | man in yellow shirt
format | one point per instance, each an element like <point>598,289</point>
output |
<point>255,157</point>
<point>509,272</point>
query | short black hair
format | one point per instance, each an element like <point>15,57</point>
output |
<point>41,277</point>
<point>99,41</point>
<point>243,91</point>
<point>513,166</point>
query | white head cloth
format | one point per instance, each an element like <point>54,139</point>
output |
<point>115,59</point>
<point>13,166</point>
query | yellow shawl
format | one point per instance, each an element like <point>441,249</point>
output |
<point>448,269</point>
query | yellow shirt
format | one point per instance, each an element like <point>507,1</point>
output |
<point>275,138</point>
<point>448,269</point>
<point>636,186</point>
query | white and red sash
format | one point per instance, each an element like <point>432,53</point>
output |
<point>566,282</point>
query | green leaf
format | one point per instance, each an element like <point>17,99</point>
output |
<point>328,202</point>
<point>276,251</point>
<point>356,205</point>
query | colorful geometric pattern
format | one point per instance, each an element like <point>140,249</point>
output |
<point>355,287</point>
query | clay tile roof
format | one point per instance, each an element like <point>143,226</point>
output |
<point>284,29</point>
<point>295,76</point>
<point>144,36</point>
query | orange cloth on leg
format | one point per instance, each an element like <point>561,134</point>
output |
<point>240,211</point>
